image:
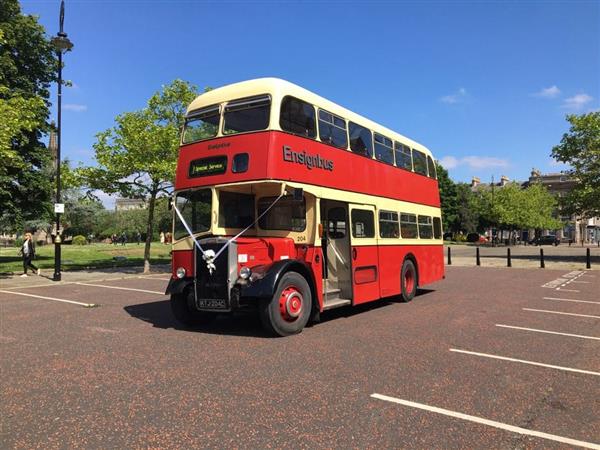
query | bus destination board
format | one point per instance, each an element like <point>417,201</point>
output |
<point>208,166</point>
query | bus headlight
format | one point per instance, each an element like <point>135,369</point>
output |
<point>245,273</point>
<point>180,272</point>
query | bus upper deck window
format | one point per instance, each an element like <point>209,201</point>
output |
<point>201,124</point>
<point>384,150</point>
<point>431,167</point>
<point>361,141</point>
<point>247,114</point>
<point>298,117</point>
<point>403,156</point>
<point>332,129</point>
<point>420,162</point>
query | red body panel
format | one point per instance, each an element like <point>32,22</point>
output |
<point>365,274</point>
<point>351,172</point>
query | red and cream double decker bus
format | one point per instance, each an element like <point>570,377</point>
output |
<point>289,204</point>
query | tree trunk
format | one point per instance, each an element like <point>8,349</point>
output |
<point>149,228</point>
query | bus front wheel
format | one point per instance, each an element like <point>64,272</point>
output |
<point>408,280</point>
<point>182,306</point>
<point>288,311</point>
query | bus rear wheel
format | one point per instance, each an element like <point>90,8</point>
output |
<point>182,306</point>
<point>288,311</point>
<point>408,280</point>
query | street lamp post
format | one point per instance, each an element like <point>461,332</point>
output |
<point>61,44</point>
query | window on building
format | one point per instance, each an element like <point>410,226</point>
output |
<point>384,150</point>
<point>247,114</point>
<point>388,224</point>
<point>287,214</point>
<point>425,227</point>
<point>437,228</point>
<point>408,226</point>
<point>431,167</point>
<point>361,141</point>
<point>235,210</point>
<point>201,124</point>
<point>363,224</point>
<point>403,156</point>
<point>332,129</point>
<point>297,117</point>
<point>420,162</point>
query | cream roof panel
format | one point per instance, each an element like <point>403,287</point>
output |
<point>279,88</point>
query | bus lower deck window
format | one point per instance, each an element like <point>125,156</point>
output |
<point>388,224</point>
<point>408,226</point>
<point>437,228</point>
<point>363,225</point>
<point>286,214</point>
<point>425,227</point>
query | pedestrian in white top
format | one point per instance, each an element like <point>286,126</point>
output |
<point>28,252</point>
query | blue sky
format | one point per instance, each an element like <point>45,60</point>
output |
<point>484,85</point>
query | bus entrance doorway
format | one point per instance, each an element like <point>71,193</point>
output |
<point>337,284</point>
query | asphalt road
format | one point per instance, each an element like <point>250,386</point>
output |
<point>125,375</point>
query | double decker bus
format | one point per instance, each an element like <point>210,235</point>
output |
<point>291,205</point>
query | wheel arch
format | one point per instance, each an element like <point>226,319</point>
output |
<point>411,257</point>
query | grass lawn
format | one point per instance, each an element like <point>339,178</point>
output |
<point>86,256</point>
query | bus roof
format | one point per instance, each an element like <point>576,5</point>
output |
<point>279,88</point>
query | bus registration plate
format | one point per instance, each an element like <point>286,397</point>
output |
<point>212,303</point>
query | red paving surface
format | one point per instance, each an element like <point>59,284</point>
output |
<point>125,375</point>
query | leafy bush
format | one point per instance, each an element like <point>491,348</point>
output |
<point>19,242</point>
<point>79,240</point>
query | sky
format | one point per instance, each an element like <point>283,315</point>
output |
<point>484,85</point>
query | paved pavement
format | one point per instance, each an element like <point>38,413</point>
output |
<point>488,358</point>
<point>559,257</point>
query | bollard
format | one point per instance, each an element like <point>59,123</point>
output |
<point>542,265</point>
<point>449,256</point>
<point>477,260</point>
<point>588,259</point>
<point>508,260</point>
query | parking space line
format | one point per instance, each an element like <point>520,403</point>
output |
<point>87,305</point>
<point>586,282</point>
<point>548,332</point>
<point>561,312</point>
<point>532,363</point>
<point>566,290</point>
<point>570,300</point>
<point>121,288</point>
<point>488,422</point>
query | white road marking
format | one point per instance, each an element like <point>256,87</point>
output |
<point>64,283</point>
<point>488,422</point>
<point>560,312</point>
<point>567,290</point>
<point>570,300</point>
<point>121,288</point>
<point>87,305</point>
<point>533,363</point>
<point>548,332</point>
<point>586,282</point>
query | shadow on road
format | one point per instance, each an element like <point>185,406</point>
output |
<point>244,323</point>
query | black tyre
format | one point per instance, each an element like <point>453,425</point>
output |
<point>182,306</point>
<point>288,311</point>
<point>408,280</point>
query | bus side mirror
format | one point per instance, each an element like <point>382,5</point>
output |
<point>298,194</point>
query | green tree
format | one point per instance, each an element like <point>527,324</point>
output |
<point>137,157</point>
<point>448,198</point>
<point>27,67</point>
<point>467,214</point>
<point>580,148</point>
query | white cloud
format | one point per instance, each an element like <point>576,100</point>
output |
<point>456,97</point>
<point>577,102</point>
<point>449,162</point>
<point>473,162</point>
<point>75,107</point>
<point>551,92</point>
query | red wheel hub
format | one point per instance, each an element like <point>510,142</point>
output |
<point>409,281</point>
<point>290,303</point>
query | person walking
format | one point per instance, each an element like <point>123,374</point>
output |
<point>138,237</point>
<point>28,252</point>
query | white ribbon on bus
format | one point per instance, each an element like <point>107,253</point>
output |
<point>209,256</point>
